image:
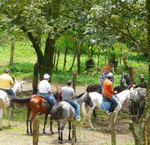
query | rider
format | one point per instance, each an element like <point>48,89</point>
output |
<point>109,92</point>
<point>104,77</point>
<point>7,83</point>
<point>45,89</point>
<point>69,96</point>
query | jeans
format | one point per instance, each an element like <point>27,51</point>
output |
<point>49,97</point>
<point>76,106</point>
<point>102,88</point>
<point>141,108</point>
<point>11,93</point>
<point>114,103</point>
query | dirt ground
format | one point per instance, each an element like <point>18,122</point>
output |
<point>101,135</point>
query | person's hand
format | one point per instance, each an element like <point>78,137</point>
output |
<point>115,92</point>
<point>73,98</point>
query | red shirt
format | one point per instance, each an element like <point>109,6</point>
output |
<point>108,88</point>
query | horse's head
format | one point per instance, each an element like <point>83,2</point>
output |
<point>18,87</point>
<point>125,81</point>
<point>88,100</point>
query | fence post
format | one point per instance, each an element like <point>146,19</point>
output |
<point>74,130</point>
<point>74,80</point>
<point>134,105</point>
<point>36,125</point>
<point>113,132</point>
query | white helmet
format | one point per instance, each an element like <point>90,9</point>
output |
<point>110,75</point>
<point>46,76</point>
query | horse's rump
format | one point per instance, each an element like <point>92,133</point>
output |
<point>2,103</point>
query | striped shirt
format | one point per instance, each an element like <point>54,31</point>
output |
<point>104,77</point>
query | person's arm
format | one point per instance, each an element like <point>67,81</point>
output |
<point>49,89</point>
<point>112,89</point>
<point>102,79</point>
<point>11,83</point>
<point>112,80</point>
<point>73,94</point>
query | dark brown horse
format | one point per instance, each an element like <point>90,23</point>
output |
<point>37,105</point>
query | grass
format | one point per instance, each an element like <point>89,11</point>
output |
<point>25,58</point>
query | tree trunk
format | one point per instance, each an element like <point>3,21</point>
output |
<point>35,78</point>
<point>132,75</point>
<point>12,53</point>
<point>57,59</point>
<point>75,53</point>
<point>99,52</point>
<point>54,56</point>
<point>78,57</point>
<point>146,114</point>
<point>120,54</point>
<point>66,50</point>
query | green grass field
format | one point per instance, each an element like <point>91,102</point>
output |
<point>25,58</point>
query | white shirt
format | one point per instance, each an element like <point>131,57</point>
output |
<point>44,86</point>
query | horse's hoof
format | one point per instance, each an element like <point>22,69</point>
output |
<point>52,132</point>
<point>44,132</point>
<point>1,128</point>
<point>9,125</point>
<point>69,139</point>
<point>60,141</point>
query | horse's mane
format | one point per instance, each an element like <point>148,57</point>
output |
<point>79,96</point>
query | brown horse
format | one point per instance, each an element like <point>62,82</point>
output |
<point>36,104</point>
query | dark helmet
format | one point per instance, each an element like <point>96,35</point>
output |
<point>7,70</point>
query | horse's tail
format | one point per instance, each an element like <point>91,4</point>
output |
<point>21,100</point>
<point>57,111</point>
<point>84,109</point>
<point>3,106</point>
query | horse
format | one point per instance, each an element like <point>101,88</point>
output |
<point>5,102</point>
<point>38,104</point>
<point>124,84</point>
<point>63,112</point>
<point>138,96</point>
<point>101,104</point>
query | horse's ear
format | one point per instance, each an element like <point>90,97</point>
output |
<point>21,82</point>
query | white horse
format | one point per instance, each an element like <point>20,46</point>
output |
<point>5,101</point>
<point>99,103</point>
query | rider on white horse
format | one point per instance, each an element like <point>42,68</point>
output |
<point>6,84</point>
<point>109,92</point>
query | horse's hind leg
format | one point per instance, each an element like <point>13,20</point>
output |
<point>1,116</point>
<point>59,131</point>
<point>51,122</point>
<point>45,123</point>
<point>69,137</point>
<point>33,117</point>
<point>28,115</point>
<point>94,113</point>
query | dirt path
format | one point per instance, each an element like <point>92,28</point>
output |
<point>16,135</point>
<point>27,86</point>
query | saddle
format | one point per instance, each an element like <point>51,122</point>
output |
<point>105,99</point>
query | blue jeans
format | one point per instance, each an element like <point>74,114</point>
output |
<point>49,97</point>
<point>102,88</point>
<point>141,108</point>
<point>114,103</point>
<point>76,106</point>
